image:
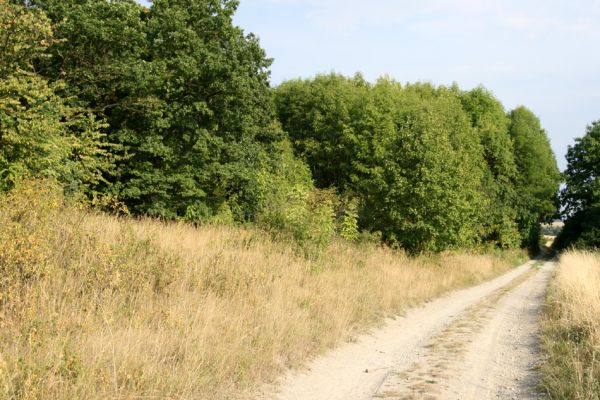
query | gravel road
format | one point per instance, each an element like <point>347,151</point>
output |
<point>475,343</point>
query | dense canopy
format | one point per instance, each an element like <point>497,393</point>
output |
<point>168,111</point>
<point>581,195</point>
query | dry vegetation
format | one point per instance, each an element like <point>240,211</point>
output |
<point>98,307</point>
<point>571,329</point>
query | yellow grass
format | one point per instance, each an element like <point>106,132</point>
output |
<point>571,328</point>
<point>97,307</point>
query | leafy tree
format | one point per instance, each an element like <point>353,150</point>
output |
<point>427,196</point>
<point>538,176</point>
<point>581,195</point>
<point>40,134</point>
<point>490,122</point>
<point>409,155</point>
<point>177,99</point>
<point>185,94</point>
<point>325,117</point>
<point>582,176</point>
<point>581,230</point>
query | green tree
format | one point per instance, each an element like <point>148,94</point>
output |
<point>408,155</point>
<point>538,176</point>
<point>582,176</point>
<point>327,118</point>
<point>426,195</point>
<point>491,123</point>
<point>40,134</point>
<point>185,94</point>
<point>581,196</point>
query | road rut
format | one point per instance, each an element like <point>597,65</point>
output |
<point>475,343</point>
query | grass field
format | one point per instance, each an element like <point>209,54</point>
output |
<point>571,329</point>
<point>97,307</point>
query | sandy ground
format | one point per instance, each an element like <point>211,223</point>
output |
<point>475,343</point>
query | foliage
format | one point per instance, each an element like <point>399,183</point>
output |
<point>490,122</point>
<point>538,176</point>
<point>292,206</point>
<point>581,230</point>
<point>407,154</point>
<point>327,120</point>
<point>167,111</point>
<point>40,133</point>
<point>348,228</point>
<point>25,36</point>
<point>581,195</point>
<point>184,92</point>
<point>32,139</point>
<point>582,176</point>
<point>431,169</point>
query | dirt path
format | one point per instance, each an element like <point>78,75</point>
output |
<point>476,343</point>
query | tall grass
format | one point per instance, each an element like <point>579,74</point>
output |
<point>571,329</point>
<point>98,307</point>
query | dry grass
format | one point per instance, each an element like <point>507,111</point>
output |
<point>571,329</point>
<point>97,307</point>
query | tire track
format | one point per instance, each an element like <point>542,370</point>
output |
<point>489,352</point>
<point>366,367</point>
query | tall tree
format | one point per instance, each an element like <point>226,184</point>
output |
<point>581,195</point>
<point>185,94</point>
<point>582,176</point>
<point>325,118</point>
<point>538,176</point>
<point>491,123</point>
<point>40,133</point>
<point>408,154</point>
<point>428,195</point>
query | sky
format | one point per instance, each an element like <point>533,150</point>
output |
<point>543,54</point>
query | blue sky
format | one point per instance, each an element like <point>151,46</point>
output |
<point>543,54</point>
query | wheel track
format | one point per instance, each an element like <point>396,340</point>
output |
<point>362,369</point>
<point>490,351</point>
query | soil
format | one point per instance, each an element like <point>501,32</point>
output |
<point>475,343</point>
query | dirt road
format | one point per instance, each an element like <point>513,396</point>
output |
<point>476,343</point>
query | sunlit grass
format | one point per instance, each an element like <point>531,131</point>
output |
<point>571,329</point>
<point>100,307</point>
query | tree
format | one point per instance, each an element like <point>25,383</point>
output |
<point>538,176</point>
<point>327,118</point>
<point>409,155</point>
<point>40,134</point>
<point>491,123</point>
<point>427,196</point>
<point>185,94</point>
<point>581,196</point>
<point>582,176</point>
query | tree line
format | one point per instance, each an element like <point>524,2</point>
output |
<point>169,111</point>
<point>580,197</point>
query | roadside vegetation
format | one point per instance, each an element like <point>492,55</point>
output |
<point>95,306</point>
<point>168,111</point>
<point>571,321</point>
<point>173,226</point>
<point>571,329</point>
<point>581,195</point>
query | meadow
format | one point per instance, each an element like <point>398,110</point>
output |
<point>571,328</point>
<point>96,306</point>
